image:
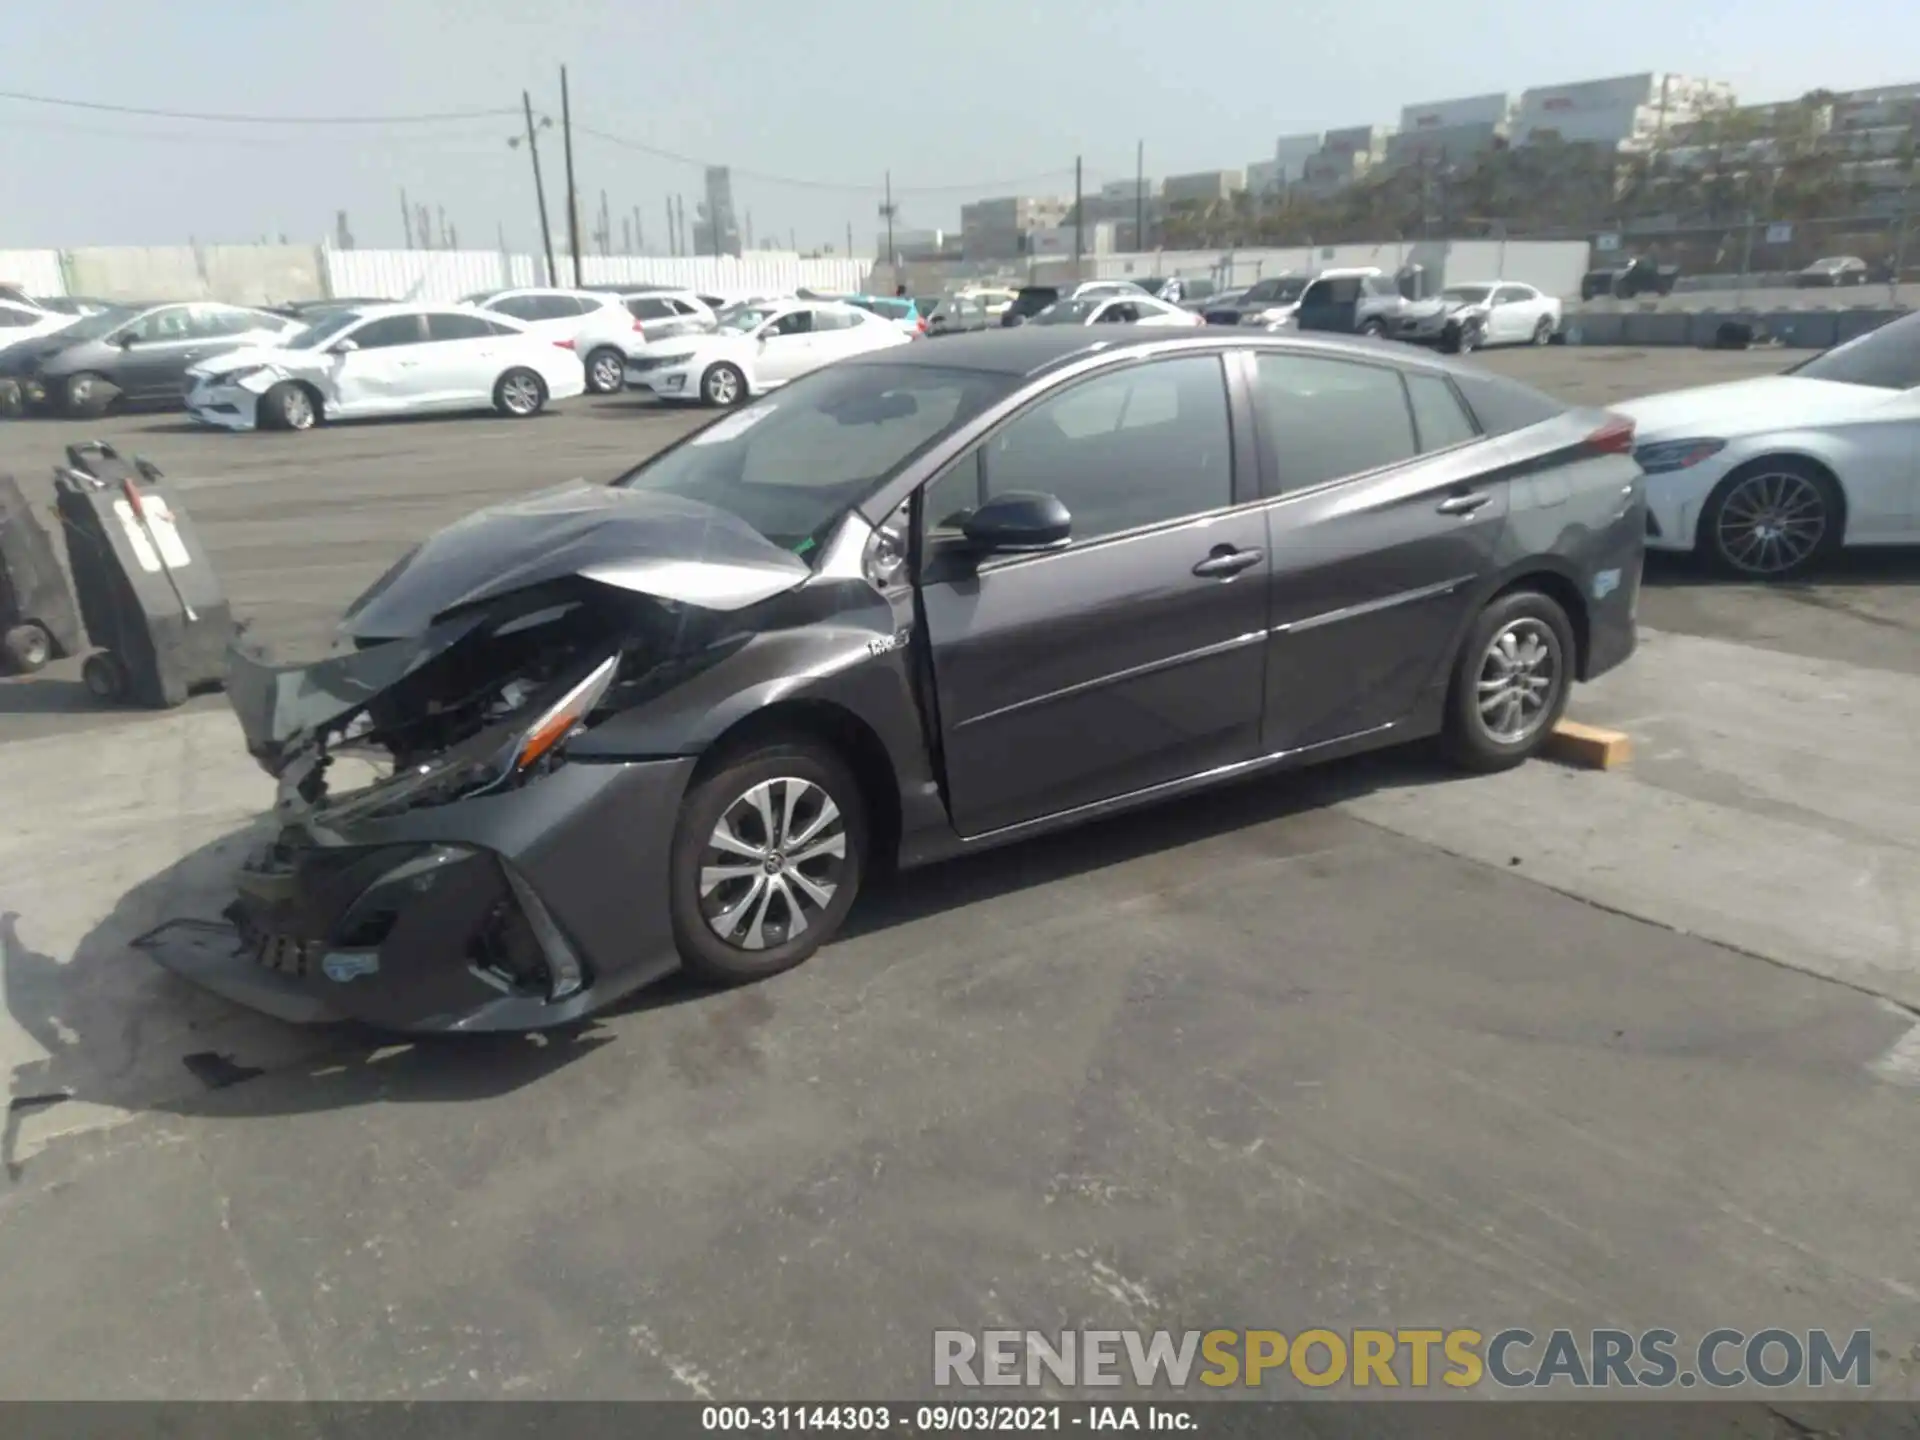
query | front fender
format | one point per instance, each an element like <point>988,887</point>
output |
<point>840,645</point>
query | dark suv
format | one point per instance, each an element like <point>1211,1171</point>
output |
<point>1351,305</point>
<point>1028,302</point>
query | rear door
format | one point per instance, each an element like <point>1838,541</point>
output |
<point>1381,521</point>
<point>1128,659</point>
<point>460,360</point>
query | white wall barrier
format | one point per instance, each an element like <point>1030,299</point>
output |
<point>449,274</point>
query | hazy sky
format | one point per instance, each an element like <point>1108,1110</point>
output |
<point>955,100</point>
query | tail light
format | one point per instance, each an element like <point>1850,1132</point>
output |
<point>564,344</point>
<point>1615,437</point>
<point>639,329</point>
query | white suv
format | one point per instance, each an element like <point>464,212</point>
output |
<point>592,324</point>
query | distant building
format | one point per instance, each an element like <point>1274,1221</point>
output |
<point>915,244</point>
<point>1628,112</point>
<point>1002,228</point>
<point>1101,238</point>
<point>716,231</point>
<point>1265,178</point>
<point>1202,187</point>
<point>1291,154</point>
<point>1450,131</point>
<point>1345,156</point>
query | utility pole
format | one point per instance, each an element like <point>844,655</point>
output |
<point>423,226</point>
<point>573,198</point>
<point>746,238</point>
<point>626,234</point>
<point>440,214</point>
<point>406,217</point>
<point>1078,235</point>
<point>849,239</point>
<point>887,209</point>
<point>673,247</point>
<point>1140,195</point>
<point>639,238</point>
<point>539,188</point>
<point>605,231</point>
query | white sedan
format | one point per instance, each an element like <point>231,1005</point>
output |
<point>1463,318</point>
<point>757,348</point>
<point>1767,476</point>
<point>385,360</point>
<point>1137,309</point>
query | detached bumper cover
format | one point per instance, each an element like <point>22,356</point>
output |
<point>516,911</point>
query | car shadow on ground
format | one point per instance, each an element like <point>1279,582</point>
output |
<point>45,695</point>
<point>77,1011</point>
<point>1871,566</point>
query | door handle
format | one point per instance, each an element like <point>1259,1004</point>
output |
<point>1463,504</point>
<point>1225,563</point>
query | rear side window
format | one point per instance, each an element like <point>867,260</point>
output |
<point>1502,405</point>
<point>1326,419</point>
<point>1437,417</point>
<point>646,307</point>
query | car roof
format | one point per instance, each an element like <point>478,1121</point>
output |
<point>1030,349</point>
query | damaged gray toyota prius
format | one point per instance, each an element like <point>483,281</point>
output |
<point>912,604</point>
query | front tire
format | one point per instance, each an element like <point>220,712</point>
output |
<point>767,860</point>
<point>87,394</point>
<point>1543,332</point>
<point>288,406</point>
<point>1510,683</point>
<point>27,648</point>
<point>723,385</point>
<point>1773,520</point>
<point>520,394</point>
<point>1373,330</point>
<point>606,372</point>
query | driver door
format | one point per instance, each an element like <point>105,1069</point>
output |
<point>382,372</point>
<point>165,345</point>
<point>1133,656</point>
<point>786,348</point>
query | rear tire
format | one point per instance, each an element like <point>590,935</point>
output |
<point>737,885</point>
<point>12,403</point>
<point>1373,329</point>
<point>288,406</point>
<point>606,371</point>
<point>1510,683</point>
<point>27,647</point>
<point>520,394</point>
<point>723,385</point>
<point>1543,332</point>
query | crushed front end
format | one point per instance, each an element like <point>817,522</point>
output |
<point>439,863</point>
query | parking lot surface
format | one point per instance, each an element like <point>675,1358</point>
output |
<point>1366,1046</point>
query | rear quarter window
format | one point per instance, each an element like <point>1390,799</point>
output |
<point>1503,406</point>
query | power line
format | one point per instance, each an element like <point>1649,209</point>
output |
<point>843,187</point>
<point>432,118</point>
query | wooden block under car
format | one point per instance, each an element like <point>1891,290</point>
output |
<point>1588,746</point>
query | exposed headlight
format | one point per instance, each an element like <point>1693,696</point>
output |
<point>1665,456</point>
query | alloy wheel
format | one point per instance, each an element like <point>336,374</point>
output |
<point>608,372</point>
<point>773,863</point>
<point>521,394</point>
<point>297,409</point>
<point>1771,523</point>
<point>1519,672</point>
<point>723,387</point>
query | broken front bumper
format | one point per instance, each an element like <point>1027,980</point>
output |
<point>514,911</point>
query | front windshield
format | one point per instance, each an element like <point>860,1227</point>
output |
<point>1152,287</point>
<point>1885,359</point>
<point>1069,312</point>
<point>792,464</point>
<point>1467,294</point>
<point>322,330</point>
<point>743,318</point>
<point>1282,291</point>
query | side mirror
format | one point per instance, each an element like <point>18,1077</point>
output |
<point>343,347</point>
<point>125,342</point>
<point>1018,521</point>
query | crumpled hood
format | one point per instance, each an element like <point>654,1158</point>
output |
<point>641,540</point>
<point>1437,306</point>
<point>24,357</point>
<point>230,360</point>
<point>1749,407</point>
